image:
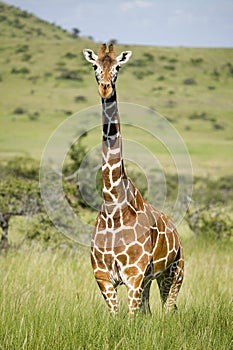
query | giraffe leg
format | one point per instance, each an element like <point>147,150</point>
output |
<point>135,294</point>
<point>110,295</point>
<point>169,285</point>
<point>145,307</point>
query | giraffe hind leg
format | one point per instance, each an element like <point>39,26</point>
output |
<point>169,285</point>
<point>145,306</point>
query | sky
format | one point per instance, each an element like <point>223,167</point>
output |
<point>193,23</point>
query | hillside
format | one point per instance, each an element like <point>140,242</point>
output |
<point>44,79</point>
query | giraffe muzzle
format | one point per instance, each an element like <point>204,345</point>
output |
<point>105,89</point>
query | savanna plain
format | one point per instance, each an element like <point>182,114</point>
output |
<point>48,296</point>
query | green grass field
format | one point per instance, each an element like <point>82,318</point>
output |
<point>49,300</point>
<point>48,296</point>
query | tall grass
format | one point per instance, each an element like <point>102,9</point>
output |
<point>49,300</point>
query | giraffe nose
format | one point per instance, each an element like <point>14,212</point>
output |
<point>105,86</point>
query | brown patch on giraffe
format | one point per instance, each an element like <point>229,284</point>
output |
<point>128,235</point>
<point>159,266</point>
<point>99,240</point>
<point>161,249</point>
<point>143,262</point>
<point>134,252</point>
<point>131,271</point>
<point>108,259</point>
<point>115,173</point>
<point>122,258</point>
<point>128,215</point>
<point>109,223</point>
<point>119,247</point>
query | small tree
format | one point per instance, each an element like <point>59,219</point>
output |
<point>18,197</point>
<point>19,192</point>
<point>75,32</point>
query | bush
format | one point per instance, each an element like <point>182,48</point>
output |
<point>70,75</point>
<point>34,115</point>
<point>22,70</point>
<point>70,55</point>
<point>138,63</point>
<point>41,229</point>
<point>149,57</point>
<point>169,67</point>
<point>141,74</point>
<point>173,60</point>
<point>19,110</point>
<point>80,98</point>
<point>26,57</point>
<point>189,81</point>
<point>196,61</point>
<point>161,78</point>
<point>214,222</point>
<point>210,212</point>
<point>22,48</point>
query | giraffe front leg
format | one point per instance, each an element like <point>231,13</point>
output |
<point>135,294</point>
<point>110,294</point>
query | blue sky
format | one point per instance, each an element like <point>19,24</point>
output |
<point>195,23</point>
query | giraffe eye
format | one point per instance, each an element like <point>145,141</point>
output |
<point>94,66</point>
<point>117,68</point>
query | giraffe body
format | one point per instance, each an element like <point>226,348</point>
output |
<point>133,242</point>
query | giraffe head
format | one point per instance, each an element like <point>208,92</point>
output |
<point>106,66</point>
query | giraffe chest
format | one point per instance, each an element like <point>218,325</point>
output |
<point>121,245</point>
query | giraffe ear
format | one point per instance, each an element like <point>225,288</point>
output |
<point>123,57</point>
<point>90,56</point>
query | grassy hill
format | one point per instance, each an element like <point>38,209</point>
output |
<point>44,79</point>
<point>49,298</point>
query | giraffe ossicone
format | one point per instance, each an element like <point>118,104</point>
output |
<point>133,242</point>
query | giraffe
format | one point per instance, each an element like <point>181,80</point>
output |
<point>133,243</point>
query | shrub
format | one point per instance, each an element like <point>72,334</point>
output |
<point>19,110</point>
<point>162,58</point>
<point>189,81</point>
<point>70,55</point>
<point>141,74</point>
<point>26,57</point>
<point>137,63</point>
<point>70,75</point>
<point>173,60</point>
<point>169,67</point>
<point>196,61</point>
<point>42,230</point>
<point>215,73</point>
<point>161,78</point>
<point>218,126</point>
<point>210,211</point>
<point>22,70</point>
<point>80,98</point>
<point>149,57</point>
<point>211,221</point>
<point>34,115</point>
<point>22,48</point>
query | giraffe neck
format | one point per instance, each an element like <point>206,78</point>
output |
<point>113,172</point>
